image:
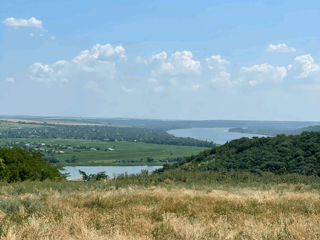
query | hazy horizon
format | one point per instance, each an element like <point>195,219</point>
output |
<point>53,117</point>
<point>168,60</point>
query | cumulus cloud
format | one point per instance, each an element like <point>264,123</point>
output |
<point>218,70</point>
<point>178,69</point>
<point>280,48</point>
<point>10,79</point>
<point>104,66</point>
<point>20,22</point>
<point>100,60</point>
<point>258,74</point>
<point>162,56</point>
<point>178,63</point>
<point>305,66</point>
<point>216,62</point>
<point>56,72</point>
<point>100,53</point>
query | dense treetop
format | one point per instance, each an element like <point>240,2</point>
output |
<point>280,155</point>
<point>18,165</point>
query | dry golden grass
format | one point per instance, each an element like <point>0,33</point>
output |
<point>158,213</point>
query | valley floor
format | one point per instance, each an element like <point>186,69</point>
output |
<point>34,211</point>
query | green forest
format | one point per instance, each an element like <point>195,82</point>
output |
<point>293,154</point>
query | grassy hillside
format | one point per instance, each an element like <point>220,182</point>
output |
<point>282,154</point>
<point>101,210</point>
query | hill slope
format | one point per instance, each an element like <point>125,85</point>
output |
<point>280,155</point>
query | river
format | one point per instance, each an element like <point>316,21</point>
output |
<point>111,171</point>
<point>216,135</point>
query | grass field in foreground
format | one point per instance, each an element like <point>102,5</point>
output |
<point>77,210</point>
<point>95,152</point>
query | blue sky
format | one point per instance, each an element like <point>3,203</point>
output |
<point>231,59</point>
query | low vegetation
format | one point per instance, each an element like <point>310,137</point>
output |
<point>134,208</point>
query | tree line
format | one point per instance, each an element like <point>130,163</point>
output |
<point>104,133</point>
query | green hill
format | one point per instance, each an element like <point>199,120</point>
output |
<point>307,129</point>
<point>282,154</point>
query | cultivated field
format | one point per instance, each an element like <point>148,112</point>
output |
<point>95,152</point>
<point>103,211</point>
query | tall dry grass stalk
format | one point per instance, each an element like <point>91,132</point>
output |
<point>158,213</point>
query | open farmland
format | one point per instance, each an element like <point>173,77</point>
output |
<point>95,152</point>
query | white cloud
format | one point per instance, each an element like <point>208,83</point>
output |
<point>280,48</point>
<point>216,62</point>
<point>305,66</point>
<point>108,66</point>
<point>178,63</point>
<point>176,70</point>
<point>218,70</point>
<point>10,79</point>
<point>100,60</point>
<point>98,57</point>
<point>20,22</point>
<point>52,38</point>
<point>56,72</point>
<point>258,74</point>
<point>159,57</point>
